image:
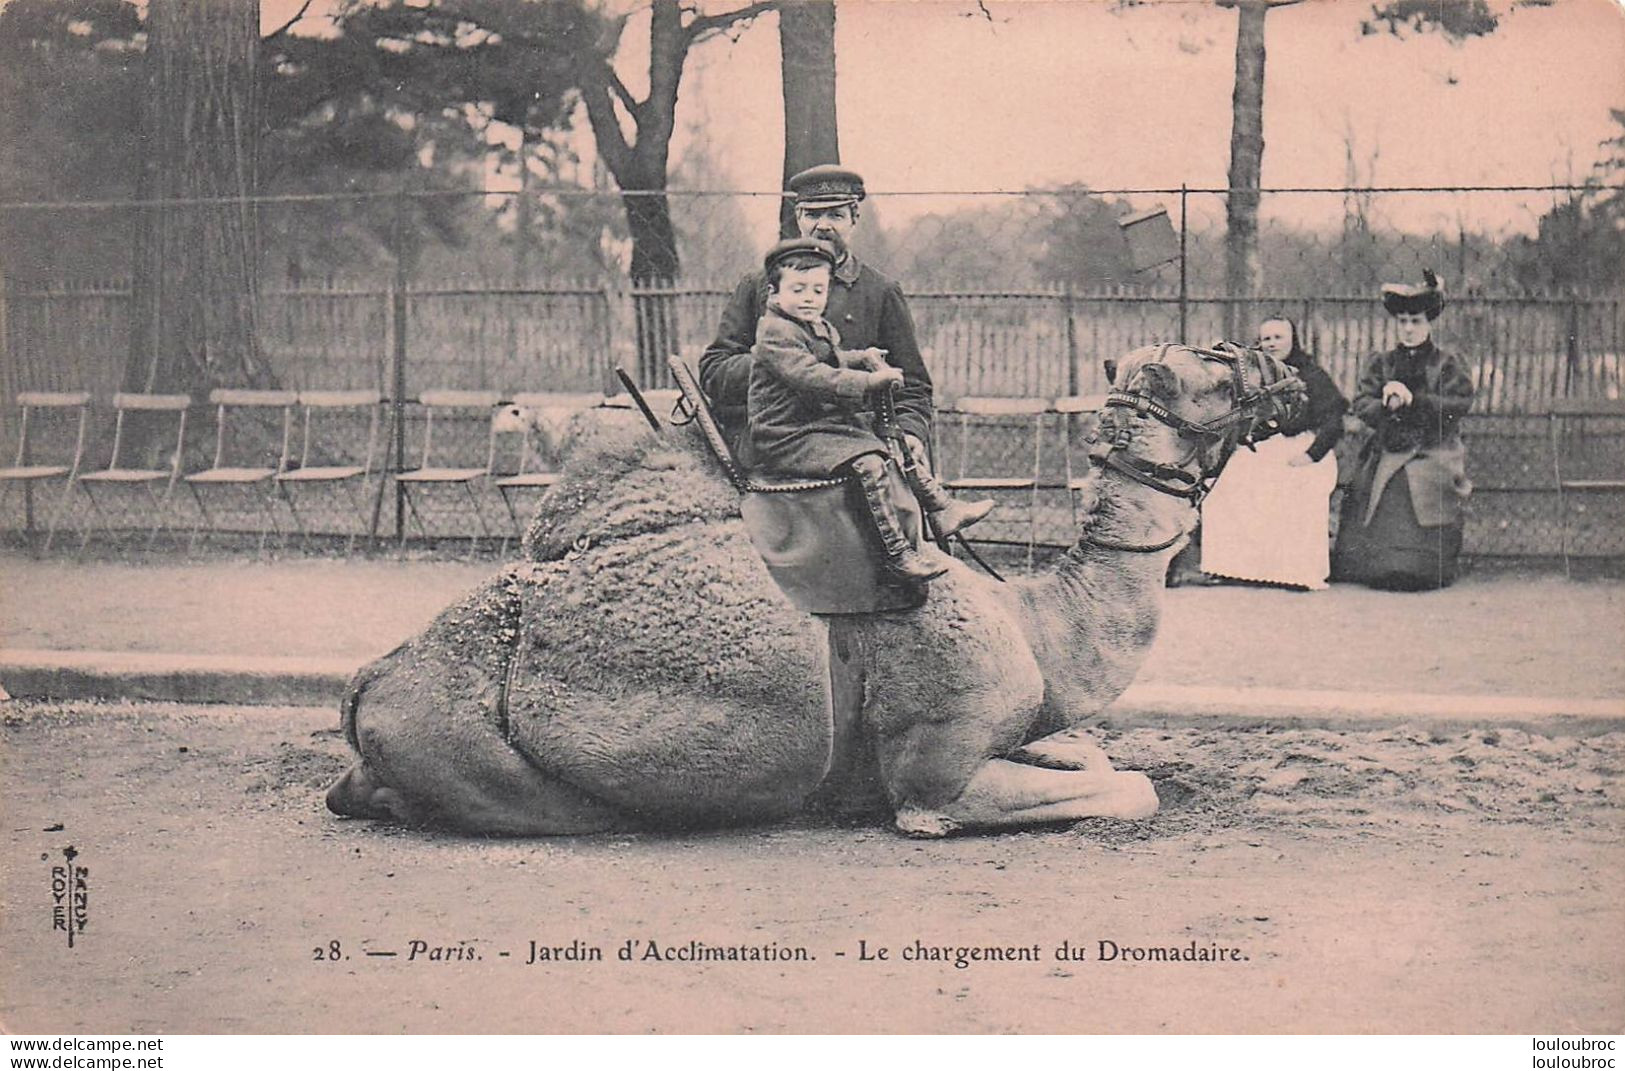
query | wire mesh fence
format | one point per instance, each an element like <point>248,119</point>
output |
<point>1013,294</point>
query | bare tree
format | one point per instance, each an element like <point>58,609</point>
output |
<point>1456,19</point>
<point>807,72</point>
<point>1359,252</point>
<point>639,160</point>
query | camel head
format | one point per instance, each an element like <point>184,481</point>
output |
<point>1183,408</point>
<point>623,479</point>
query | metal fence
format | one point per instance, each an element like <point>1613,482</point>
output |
<point>1012,294</point>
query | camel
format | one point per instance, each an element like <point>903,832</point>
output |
<point>639,670</point>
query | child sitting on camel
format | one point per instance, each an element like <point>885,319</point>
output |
<point>808,411</point>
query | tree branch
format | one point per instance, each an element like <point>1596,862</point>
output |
<point>707,24</point>
<point>618,87</point>
<point>280,30</point>
<point>606,128</point>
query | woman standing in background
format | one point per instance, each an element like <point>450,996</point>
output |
<point>1268,518</point>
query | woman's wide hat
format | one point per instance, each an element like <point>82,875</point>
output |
<point>1426,298</point>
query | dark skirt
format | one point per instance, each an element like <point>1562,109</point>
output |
<point>1393,551</point>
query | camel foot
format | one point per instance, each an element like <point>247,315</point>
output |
<point>925,825</point>
<point>358,795</point>
<point>1007,795</point>
<point>1136,796</point>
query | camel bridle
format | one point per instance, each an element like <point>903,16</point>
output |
<point>1263,391</point>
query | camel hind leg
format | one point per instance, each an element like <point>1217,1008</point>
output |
<point>1005,794</point>
<point>432,755</point>
<point>492,791</point>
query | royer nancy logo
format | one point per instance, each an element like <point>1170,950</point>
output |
<point>70,895</point>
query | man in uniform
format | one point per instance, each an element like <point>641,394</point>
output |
<point>865,306</point>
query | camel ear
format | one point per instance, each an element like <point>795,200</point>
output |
<point>1160,381</point>
<point>1110,364</point>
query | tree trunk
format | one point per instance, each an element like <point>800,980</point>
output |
<point>654,273</point>
<point>524,216</point>
<point>654,240</point>
<point>1246,165</point>
<point>194,291</point>
<point>807,71</point>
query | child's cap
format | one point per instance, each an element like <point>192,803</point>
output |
<point>793,246</point>
<point>826,185</point>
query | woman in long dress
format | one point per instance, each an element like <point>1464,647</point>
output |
<point>1268,518</point>
<point>1402,518</point>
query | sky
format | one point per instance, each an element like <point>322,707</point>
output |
<point>946,95</point>
<point>934,96</point>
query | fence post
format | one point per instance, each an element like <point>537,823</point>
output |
<point>1184,291</point>
<point>1071,340</point>
<point>389,391</point>
<point>397,304</point>
<point>1573,347</point>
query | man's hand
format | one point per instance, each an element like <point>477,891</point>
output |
<point>1299,461</point>
<point>1395,395</point>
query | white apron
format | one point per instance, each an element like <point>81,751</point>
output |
<point>1267,521</point>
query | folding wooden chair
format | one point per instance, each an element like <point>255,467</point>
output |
<point>447,405</point>
<point>1588,455</point>
<point>327,419</point>
<point>28,470</point>
<point>545,417</point>
<point>1030,414</point>
<point>122,473</point>
<point>1079,413</point>
<point>257,481</point>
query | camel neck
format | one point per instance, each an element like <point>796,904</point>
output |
<point>1116,511</point>
<point>1093,618</point>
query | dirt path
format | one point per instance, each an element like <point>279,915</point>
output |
<point>1491,634</point>
<point>1388,881</point>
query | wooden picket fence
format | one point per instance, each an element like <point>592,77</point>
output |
<point>1526,351</point>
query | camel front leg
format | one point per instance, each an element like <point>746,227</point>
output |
<point>1069,749</point>
<point>1004,794</point>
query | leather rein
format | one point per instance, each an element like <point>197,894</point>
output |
<point>1252,405</point>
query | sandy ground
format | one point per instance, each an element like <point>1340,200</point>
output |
<point>1393,881</point>
<point>1490,634</point>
